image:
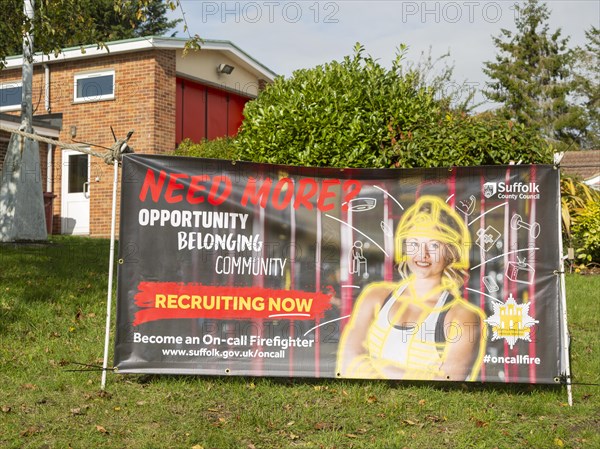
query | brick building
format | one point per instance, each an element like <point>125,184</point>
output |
<point>147,85</point>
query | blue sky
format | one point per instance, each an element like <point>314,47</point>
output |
<point>289,35</point>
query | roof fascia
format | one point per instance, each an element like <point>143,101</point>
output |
<point>141,44</point>
<point>41,130</point>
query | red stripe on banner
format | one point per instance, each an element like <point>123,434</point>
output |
<point>482,261</point>
<point>532,293</point>
<point>510,237</point>
<point>388,267</point>
<point>292,280</point>
<point>171,300</point>
<point>318,267</point>
<point>346,276</point>
<point>259,281</point>
<point>452,189</point>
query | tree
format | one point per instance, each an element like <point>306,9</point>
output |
<point>531,75</point>
<point>357,113</point>
<point>129,21</point>
<point>67,23</point>
<point>587,87</point>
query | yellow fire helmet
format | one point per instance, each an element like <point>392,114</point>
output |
<point>430,217</point>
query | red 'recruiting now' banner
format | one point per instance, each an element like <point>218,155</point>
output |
<point>172,300</point>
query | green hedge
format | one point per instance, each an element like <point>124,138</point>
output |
<point>221,148</point>
<point>357,113</point>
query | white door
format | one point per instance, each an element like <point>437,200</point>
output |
<point>75,193</point>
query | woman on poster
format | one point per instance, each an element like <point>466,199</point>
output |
<point>421,327</point>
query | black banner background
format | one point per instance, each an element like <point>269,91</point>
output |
<point>325,235</point>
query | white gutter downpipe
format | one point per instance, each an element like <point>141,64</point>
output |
<point>49,171</point>
<point>47,88</point>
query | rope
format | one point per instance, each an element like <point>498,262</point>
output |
<point>115,152</point>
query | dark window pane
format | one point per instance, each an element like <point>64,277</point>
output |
<point>10,95</point>
<point>95,87</point>
<point>78,172</point>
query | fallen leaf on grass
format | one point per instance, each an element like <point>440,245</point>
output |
<point>197,446</point>
<point>6,409</point>
<point>101,429</point>
<point>105,394</point>
<point>29,387</point>
<point>434,418</point>
<point>410,422</point>
<point>422,402</point>
<point>480,423</point>
<point>29,431</point>
<point>372,399</point>
<point>559,442</point>
<point>351,435</point>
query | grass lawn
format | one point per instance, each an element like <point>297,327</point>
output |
<point>52,314</point>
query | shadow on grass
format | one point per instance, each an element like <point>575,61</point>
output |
<point>441,386</point>
<point>67,270</point>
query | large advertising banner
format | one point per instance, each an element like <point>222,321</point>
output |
<point>270,270</point>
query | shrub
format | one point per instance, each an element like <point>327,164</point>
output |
<point>464,140</point>
<point>581,219</point>
<point>586,233</point>
<point>357,113</point>
<point>221,148</point>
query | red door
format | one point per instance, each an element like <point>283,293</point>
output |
<point>206,112</point>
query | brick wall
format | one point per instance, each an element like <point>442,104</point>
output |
<point>144,101</point>
<point>4,137</point>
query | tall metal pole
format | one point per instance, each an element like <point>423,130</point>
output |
<point>565,337</point>
<point>111,263</point>
<point>27,86</point>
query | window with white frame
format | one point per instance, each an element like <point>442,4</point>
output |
<point>11,96</point>
<point>96,86</point>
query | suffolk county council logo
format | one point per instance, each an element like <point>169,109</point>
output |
<point>511,321</point>
<point>489,189</point>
